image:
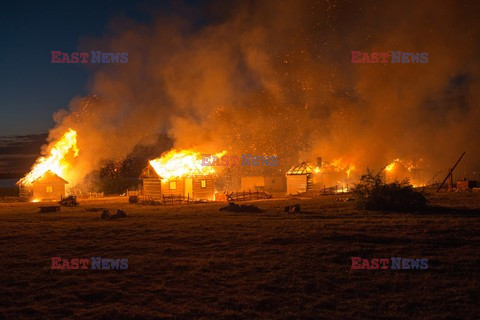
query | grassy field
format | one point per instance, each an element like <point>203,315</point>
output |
<point>195,262</point>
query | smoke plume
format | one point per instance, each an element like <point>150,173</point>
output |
<point>276,78</point>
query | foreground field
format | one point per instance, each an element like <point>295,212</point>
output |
<point>193,262</point>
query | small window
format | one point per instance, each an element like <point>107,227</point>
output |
<point>49,189</point>
<point>204,183</point>
<point>173,185</point>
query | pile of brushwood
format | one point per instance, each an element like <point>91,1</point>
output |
<point>372,193</point>
<point>233,207</point>
<point>70,201</point>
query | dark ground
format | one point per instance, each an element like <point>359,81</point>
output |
<point>195,262</point>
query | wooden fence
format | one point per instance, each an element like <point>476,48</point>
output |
<point>168,199</point>
<point>84,195</point>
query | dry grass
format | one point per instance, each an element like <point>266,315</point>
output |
<point>195,262</point>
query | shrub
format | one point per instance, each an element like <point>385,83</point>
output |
<point>373,194</point>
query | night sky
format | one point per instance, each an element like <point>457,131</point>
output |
<point>32,88</point>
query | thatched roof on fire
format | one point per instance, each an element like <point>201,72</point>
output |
<point>303,168</point>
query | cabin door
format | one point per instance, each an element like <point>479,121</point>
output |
<point>188,188</point>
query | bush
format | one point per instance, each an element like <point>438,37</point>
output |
<point>373,194</point>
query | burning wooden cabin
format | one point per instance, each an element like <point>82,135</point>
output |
<point>307,177</point>
<point>44,181</point>
<point>303,178</point>
<point>152,183</point>
<point>179,174</point>
<point>193,187</point>
<point>400,170</point>
<point>47,187</point>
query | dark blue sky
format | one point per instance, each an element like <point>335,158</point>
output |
<point>32,88</point>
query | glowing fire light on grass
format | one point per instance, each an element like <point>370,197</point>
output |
<point>55,161</point>
<point>184,163</point>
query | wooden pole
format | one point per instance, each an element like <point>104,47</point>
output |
<point>450,174</point>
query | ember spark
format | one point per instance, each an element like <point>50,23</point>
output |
<point>233,160</point>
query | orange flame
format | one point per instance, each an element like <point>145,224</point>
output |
<point>392,165</point>
<point>400,169</point>
<point>339,165</point>
<point>55,161</point>
<point>177,164</point>
<point>409,165</point>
